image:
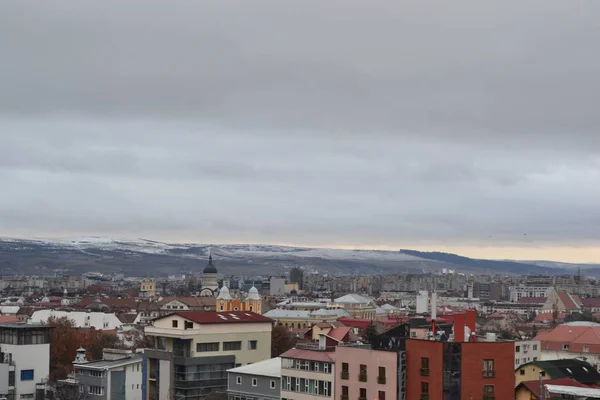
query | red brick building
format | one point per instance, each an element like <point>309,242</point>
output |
<point>460,367</point>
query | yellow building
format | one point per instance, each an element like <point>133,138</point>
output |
<point>148,287</point>
<point>252,302</point>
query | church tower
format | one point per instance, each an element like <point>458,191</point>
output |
<point>210,286</point>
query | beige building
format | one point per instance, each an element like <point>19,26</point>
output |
<point>358,306</point>
<point>194,350</point>
<point>148,287</point>
<point>307,374</point>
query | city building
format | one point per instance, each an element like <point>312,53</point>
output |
<point>563,302</point>
<point>526,351</point>
<point>461,367</point>
<point>117,376</point>
<point>24,360</point>
<point>148,287</point>
<point>194,350</point>
<point>358,306</point>
<point>277,287</point>
<point>210,285</point>
<point>308,372</point>
<point>252,302</point>
<point>571,340</point>
<point>258,381</point>
<point>188,303</point>
<point>81,319</point>
<point>366,373</point>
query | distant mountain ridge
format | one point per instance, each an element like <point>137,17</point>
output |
<point>142,257</point>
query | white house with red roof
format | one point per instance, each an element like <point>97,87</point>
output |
<point>194,350</point>
<point>571,340</point>
<point>562,302</point>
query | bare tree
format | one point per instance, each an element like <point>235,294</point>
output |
<point>58,390</point>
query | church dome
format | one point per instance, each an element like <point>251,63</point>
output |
<point>210,268</point>
<point>253,294</point>
<point>224,294</point>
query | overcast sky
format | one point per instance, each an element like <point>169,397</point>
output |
<point>415,124</point>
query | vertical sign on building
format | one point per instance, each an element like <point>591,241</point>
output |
<point>402,375</point>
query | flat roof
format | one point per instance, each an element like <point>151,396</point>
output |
<point>106,364</point>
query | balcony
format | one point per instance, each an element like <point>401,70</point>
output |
<point>424,396</point>
<point>344,375</point>
<point>488,374</point>
<point>424,371</point>
<point>381,380</point>
<point>362,377</point>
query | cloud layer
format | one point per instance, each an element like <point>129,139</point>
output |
<point>359,123</point>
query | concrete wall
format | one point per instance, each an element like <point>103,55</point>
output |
<point>30,356</point>
<point>528,350</point>
<point>133,381</point>
<point>472,379</point>
<point>415,349</point>
<point>373,359</point>
<point>166,374</point>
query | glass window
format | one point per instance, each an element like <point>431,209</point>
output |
<point>254,382</point>
<point>488,365</point>
<point>381,395</point>
<point>425,362</point>
<point>252,344</point>
<point>232,346</point>
<point>206,347</point>
<point>363,393</point>
<point>239,380</point>
<point>344,390</point>
<point>273,385</point>
<point>26,374</point>
<point>96,390</point>
<point>174,323</point>
<point>425,387</point>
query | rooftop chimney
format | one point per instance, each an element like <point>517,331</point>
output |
<point>322,342</point>
<point>433,306</point>
<point>470,320</point>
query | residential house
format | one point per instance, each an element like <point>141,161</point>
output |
<point>572,368</point>
<point>258,381</point>
<point>526,351</point>
<point>571,340</point>
<point>530,390</point>
<point>81,319</point>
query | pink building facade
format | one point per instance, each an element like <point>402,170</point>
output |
<point>365,374</point>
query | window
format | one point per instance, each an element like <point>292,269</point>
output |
<point>239,380</point>
<point>488,391</point>
<point>381,376</point>
<point>138,367</point>
<point>522,372</point>
<point>424,387</point>
<point>232,346</point>
<point>534,358</point>
<point>362,374</point>
<point>96,390</point>
<point>518,349</point>
<point>252,344</point>
<point>81,388</point>
<point>138,386</point>
<point>206,347</point>
<point>424,362</point>
<point>26,374</point>
<point>345,369</point>
<point>174,323</point>
<point>586,349</point>
<point>535,347</point>
<point>97,374</point>
<point>254,382</point>
<point>273,385</point>
<point>363,393</point>
<point>488,365</point>
<point>543,373</point>
<point>565,347</point>
<point>188,325</point>
<point>11,378</point>
<point>345,391</point>
<point>381,395</point>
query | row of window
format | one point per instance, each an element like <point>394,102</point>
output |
<point>362,373</point>
<point>313,366</point>
<point>302,385</point>
<point>362,394</point>
<point>526,347</point>
<point>93,390</point>
<point>227,346</point>
<point>272,383</point>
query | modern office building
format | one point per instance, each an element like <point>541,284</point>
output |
<point>24,360</point>
<point>194,350</point>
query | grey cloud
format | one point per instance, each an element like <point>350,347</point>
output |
<point>350,122</point>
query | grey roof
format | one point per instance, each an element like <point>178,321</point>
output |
<point>270,367</point>
<point>352,298</point>
<point>279,313</point>
<point>108,364</point>
<point>336,312</point>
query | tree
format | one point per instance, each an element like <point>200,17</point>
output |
<point>281,340</point>
<point>65,391</point>
<point>370,333</point>
<point>505,334</point>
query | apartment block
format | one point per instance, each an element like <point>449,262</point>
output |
<point>24,360</point>
<point>364,374</point>
<point>308,373</point>
<point>194,350</point>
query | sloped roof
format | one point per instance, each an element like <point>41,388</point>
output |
<point>229,317</point>
<point>568,301</point>
<point>9,318</point>
<point>352,298</point>
<point>573,368</point>
<point>191,301</point>
<point>309,355</point>
<point>336,312</point>
<point>389,307</point>
<point>534,386</point>
<point>338,333</point>
<point>270,368</point>
<point>591,302</point>
<point>532,300</point>
<point>279,313</point>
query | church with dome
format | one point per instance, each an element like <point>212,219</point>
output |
<point>252,302</point>
<point>210,285</point>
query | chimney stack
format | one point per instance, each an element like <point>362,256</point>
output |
<point>471,324</point>
<point>433,306</point>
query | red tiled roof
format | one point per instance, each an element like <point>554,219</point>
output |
<point>547,317</point>
<point>532,300</point>
<point>211,317</point>
<point>338,333</point>
<point>577,300</point>
<point>127,318</point>
<point>191,301</point>
<point>310,355</point>
<point>8,318</point>
<point>568,301</point>
<point>534,386</point>
<point>575,336</point>
<point>591,302</point>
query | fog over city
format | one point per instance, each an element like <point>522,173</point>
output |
<point>418,124</point>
